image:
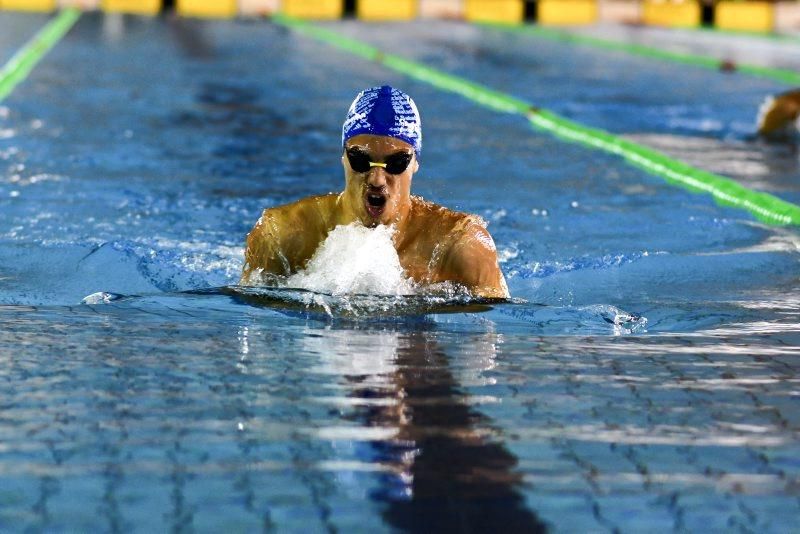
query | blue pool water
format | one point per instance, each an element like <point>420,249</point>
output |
<point>644,379</point>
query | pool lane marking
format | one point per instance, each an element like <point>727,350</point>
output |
<point>20,65</point>
<point>764,206</point>
<point>776,74</point>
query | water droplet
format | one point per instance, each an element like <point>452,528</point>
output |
<point>101,297</point>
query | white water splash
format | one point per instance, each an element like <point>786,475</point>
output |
<point>354,259</point>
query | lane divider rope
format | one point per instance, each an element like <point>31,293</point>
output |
<point>764,206</point>
<point>777,74</point>
<point>20,65</point>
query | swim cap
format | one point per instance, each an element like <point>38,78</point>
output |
<point>384,111</point>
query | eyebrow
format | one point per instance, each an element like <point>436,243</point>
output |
<point>400,152</point>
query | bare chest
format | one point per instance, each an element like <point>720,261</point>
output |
<point>423,258</point>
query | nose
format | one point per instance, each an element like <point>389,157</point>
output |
<point>377,177</point>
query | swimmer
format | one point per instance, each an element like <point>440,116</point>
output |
<point>778,115</point>
<point>381,143</point>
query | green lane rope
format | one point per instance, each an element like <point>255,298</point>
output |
<point>763,206</point>
<point>781,75</point>
<point>21,64</point>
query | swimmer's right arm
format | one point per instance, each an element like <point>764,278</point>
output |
<point>285,238</point>
<point>265,252</point>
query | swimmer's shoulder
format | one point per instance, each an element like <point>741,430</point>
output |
<point>468,255</point>
<point>448,221</point>
<point>305,214</point>
<point>304,206</point>
<point>285,236</point>
<point>295,226</point>
<point>454,229</point>
<point>792,94</point>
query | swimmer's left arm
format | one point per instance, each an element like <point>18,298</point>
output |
<point>472,262</point>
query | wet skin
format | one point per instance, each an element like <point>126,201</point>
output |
<point>780,114</point>
<point>434,244</point>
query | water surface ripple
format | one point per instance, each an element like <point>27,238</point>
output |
<point>644,377</point>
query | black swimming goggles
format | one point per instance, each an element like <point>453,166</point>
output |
<point>394,164</point>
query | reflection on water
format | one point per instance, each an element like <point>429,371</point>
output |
<point>192,411</point>
<point>448,468</point>
<point>259,418</point>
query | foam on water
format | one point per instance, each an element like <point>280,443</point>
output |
<point>354,259</point>
<point>356,273</point>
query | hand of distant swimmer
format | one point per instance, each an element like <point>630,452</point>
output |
<point>778,114</point>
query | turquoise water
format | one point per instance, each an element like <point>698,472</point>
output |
<point>643,379</point>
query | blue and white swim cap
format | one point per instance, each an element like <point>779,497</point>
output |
<point>384,111</point>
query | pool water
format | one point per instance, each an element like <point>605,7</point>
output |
<point>644,378</point>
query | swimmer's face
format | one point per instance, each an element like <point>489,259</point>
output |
<point>379,194</point>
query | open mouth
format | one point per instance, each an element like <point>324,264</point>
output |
<point>375,204</point>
